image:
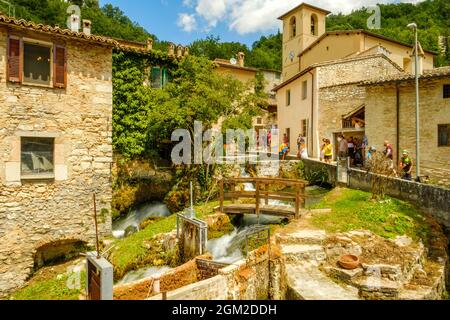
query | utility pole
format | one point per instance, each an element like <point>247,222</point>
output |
<point>416,44</point>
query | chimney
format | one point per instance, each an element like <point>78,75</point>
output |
<point>186,51</point>
<point>241,59</point>
<point>74,23</point>
<point>179,51</point>
<point>171,49</point>
<point>87,24</point>
<point>149,44</point>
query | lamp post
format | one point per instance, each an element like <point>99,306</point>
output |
<point>416,46</point>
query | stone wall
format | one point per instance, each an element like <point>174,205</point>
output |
<point>340,95</point>
<point>381,119</point>
<point>36,213</point>
<point>252,279</point>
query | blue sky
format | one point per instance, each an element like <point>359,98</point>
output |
<point>183,21</point>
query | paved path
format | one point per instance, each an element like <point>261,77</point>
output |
<point>304,253</point>
<point>307,282</point>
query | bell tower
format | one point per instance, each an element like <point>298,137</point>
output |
<point>301,27</point>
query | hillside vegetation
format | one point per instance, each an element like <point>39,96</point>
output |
<point>432,17</point>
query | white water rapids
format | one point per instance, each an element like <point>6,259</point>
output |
<point>135,217</point>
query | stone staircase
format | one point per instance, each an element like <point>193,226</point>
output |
<point>304,253</point>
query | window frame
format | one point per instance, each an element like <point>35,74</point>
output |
<point>41,43</point>
<point>288,97</point>
<point>446,91</point>
<point>38,177</point>
<point>305,90</point>
<point>292,27</point>
<point>439,135</point>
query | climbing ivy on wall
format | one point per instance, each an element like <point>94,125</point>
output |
<point>133,99</point>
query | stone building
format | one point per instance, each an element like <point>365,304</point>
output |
<point>320,96</point>
<point>390,108</point>
<point>236,68</point>
<point>306,42</point>
<point>55,144</point>
<point>317,101</point>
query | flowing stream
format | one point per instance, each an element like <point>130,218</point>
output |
<point>131,222</point>
<point>227,249</point>
<point>144,273</point>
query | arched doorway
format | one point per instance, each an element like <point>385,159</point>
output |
<point>57,251</point>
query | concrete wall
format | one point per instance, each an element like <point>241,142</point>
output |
<point>381,123</point>
<point>36,213</point>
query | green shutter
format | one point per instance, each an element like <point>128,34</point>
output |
<point>156,77</point>
<point>165,77</point>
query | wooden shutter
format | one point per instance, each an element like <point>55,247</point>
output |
<point>59,67</point>
<point>15,59</point>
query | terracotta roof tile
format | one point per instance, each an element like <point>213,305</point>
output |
<point>442,72</point>
<point>28,25</point>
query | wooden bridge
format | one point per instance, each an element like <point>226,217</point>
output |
<point>262,196</point>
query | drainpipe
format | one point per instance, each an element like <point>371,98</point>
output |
<point>398,122</point>
<point>312,114</point>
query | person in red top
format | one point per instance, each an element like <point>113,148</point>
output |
<point>388,150</point>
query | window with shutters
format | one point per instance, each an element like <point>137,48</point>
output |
<point>34,62</point>
<point>37,64</point>
<point>159,77</point>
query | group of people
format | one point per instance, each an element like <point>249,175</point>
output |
<point>355,149</point>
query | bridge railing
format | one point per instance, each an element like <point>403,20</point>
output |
<point>263,193</point>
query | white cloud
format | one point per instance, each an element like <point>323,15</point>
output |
<point>248,16</point>
<point>187,22</point>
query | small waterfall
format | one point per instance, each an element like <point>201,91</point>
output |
<point>227,249</point>
<point>144,273</point>
<point>135,217</point>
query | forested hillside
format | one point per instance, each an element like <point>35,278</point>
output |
<point>107,20</point>
<point>432,17</point>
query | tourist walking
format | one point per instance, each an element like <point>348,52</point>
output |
<point>388,150</point>
<point>406,166</point>
<point>343,148</point>
<point>328,151</point>
<point>284,150</point>
<point>322,149</point>
<point>300,143</point>
<point>351,150</point>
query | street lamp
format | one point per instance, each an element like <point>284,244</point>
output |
<point>416,46</point>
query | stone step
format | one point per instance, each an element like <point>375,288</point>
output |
<point>302,237</point>
<point>302,252</point>
<point>378,288</point>
<point>307,282</point>
<point>417,293</point>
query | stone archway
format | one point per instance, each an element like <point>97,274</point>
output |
<point>56,250</point>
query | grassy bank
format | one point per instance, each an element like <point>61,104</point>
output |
<point>131,253</point>
<point>53,283</point>
<point>353,210</point>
